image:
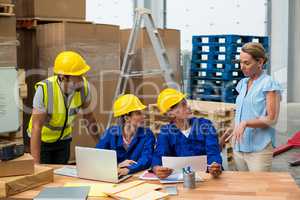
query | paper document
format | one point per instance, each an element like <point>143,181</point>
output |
<point>154,195</point>
<point>95,188</point>
<point>148,176</point>
<point>197,163</point>
<point>66,171</point>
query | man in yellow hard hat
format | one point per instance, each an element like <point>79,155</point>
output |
<point>184,135</point>
<point>56,103</point>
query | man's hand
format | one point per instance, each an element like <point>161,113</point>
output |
<point>38,120</point>
<point>123,171</point>
<point>162,172</point>
<point>226,137</point>
<point>215,169</point>
<point>126,163</point>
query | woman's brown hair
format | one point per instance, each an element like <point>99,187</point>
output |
<point>256,50</point>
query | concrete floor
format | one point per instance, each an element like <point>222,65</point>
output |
<point>280,164</point>
<point>288,124</point>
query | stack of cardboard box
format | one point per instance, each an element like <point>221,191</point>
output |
<point>68,9</point>
<point>8,42</point>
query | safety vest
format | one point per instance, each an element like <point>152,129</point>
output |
<point>58,125</point>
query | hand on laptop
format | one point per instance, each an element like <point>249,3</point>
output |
<point>162,172</point>
<point>126,163</point>
<point>215,169</point>
<point>123,171</point>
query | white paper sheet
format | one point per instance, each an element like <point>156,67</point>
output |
<point>66,171</point>
<point>197,163</point>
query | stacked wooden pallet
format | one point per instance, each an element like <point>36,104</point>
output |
<point>7,9</point>
<point>221,114</point>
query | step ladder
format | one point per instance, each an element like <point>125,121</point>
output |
<point>142,14</point>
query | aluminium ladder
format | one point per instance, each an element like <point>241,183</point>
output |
<point>159,49</point>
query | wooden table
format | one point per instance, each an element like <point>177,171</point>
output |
<point>230,186</point>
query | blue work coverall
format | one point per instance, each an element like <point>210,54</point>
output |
<point>140,149</point>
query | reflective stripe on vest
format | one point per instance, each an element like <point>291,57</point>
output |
<point>58,125</point>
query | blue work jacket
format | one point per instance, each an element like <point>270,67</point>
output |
<point>140,149</point>
<point>202,140</point>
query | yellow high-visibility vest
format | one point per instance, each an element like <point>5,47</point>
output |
<point>58,124</point>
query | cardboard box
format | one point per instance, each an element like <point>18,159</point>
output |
<point>98,44</point>
<point>27,50</point>
<point>8,42</point>
<point>5,1</point>
<point>70,9</point>
<point>21,166</point>
<point>7,28</point>
<point>147,88</point>
<point>145,57</point>
<point>17,184</point>
<point>27,59</point>
<point>8,53</point>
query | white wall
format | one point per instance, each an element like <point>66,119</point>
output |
<point>294,52</point>
<point>279,41</point>
<point>118,12</point>
<point>196,17</point>
<point>192,17</point>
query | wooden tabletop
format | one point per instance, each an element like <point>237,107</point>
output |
<point>230,186</point>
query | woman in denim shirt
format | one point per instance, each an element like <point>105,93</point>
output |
<point>257,109</point>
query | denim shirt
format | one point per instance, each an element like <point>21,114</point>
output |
<point>251,106</point>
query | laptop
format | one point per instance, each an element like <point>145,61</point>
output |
<point>98,164</point>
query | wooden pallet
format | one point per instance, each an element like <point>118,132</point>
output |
<point>7,9</point>
<point>229,156</point>
<point>4,139</point>
<point>31,23</point>
<point>212,110</point>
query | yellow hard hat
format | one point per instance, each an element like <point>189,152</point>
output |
<point>126,104</point>
<point>70,63</point>
<point>168,98</point>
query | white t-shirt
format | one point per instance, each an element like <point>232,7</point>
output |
<point>186,132</point>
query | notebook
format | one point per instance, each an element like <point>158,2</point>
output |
<point>63,193</point>
<point>96,189</point>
